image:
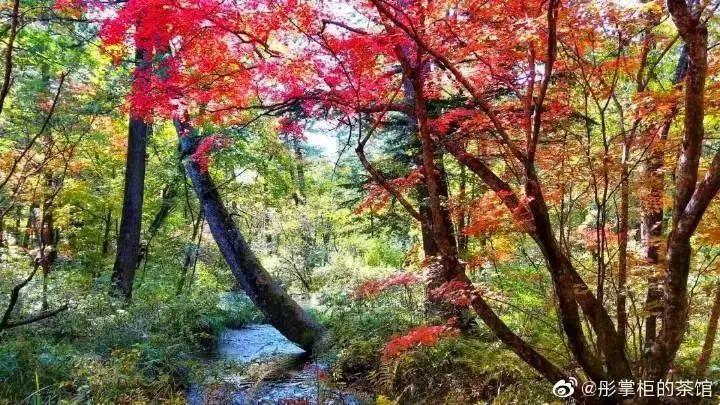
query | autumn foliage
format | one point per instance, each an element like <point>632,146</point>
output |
<point>372,288</point>
<point>423,336</point>
<point>568,141</point>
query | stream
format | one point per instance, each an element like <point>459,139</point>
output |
<point>260,366</point>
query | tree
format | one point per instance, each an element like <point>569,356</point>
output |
<point>464,47</point>
<point>128,245</point>
<point>518,86</point>
<point>279,308</point>
<point>157,81</point>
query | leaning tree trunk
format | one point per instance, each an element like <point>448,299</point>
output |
<point>128,246</point>
<point>167,205</point>
<point>279,309</point>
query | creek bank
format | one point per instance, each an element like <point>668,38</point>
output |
<point>264,368</point>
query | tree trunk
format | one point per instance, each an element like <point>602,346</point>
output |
<point>570,288</point>
<point>709,344</point>
<point>15,26</point>
<point>28,233</point>
<point>462,217</point>
<point>17,231</point>
<point>430,248</point>
<point>279,309</point>
<point>622,315</point>
<point>2,232</point>
<point>446,265</point>
<point>298,172</point>
<point>307,233</point>
<point>652,216</point>
<point>128,245</point>
<point>191,253</point>
<point>691,200</point>
<point>106,233</point>
<point>48,251</point>
<point>169,198</point>
<point>439,239</point>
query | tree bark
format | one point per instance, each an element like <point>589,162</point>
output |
<point>7,78</point>
<point>167,205</point>
<point>298,172</point>
<point>128,245</point>
<point>449,267</point>
<point>691,199</point>
<point>652,216</point>
<point>279,309</point>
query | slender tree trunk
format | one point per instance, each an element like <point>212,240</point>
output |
<point>8,64</point>
<point>29,231</point>
<point>438,236</point>
<point>2,232</point>
<point>307,233</point>
<point>442,229</point>
<point>169,198</point>
<point>279,308</point>
<point>446,265</point>
<point>48,252</point>
<point>462,221</point>
<point>299,169</point>
<point>128,245</point>
<point>570,288</point>
<point>430,248</point>
<point>191,253</point>
<point>691,200</point>
<point>710,335</point>
<point>652,216</point>
<point>622,315</point>
<point>17,229</point>
<point>106,233</point>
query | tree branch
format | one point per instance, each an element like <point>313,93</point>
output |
<point>9,54</point>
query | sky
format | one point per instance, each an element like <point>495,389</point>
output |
<point>323,135</point>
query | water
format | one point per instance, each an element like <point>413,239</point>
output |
<point>253,343</point>
<point>259,349</point>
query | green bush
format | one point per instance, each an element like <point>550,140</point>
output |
<point>105,351</point>
<point>459,370</point>
<point>471,368</point>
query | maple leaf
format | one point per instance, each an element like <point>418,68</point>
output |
<point>202,156</point>
<point>423,336</point>
<point>458,293</point>
<point>372,288</point>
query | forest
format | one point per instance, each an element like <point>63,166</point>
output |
<point>385,202</point>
